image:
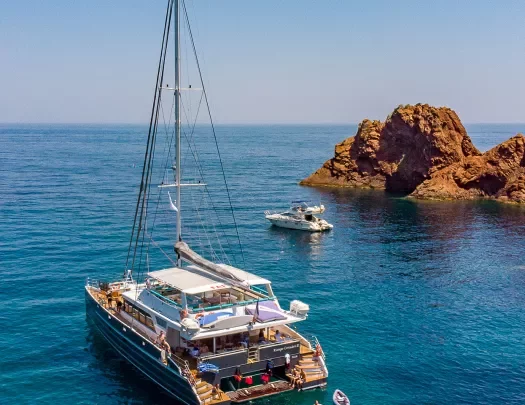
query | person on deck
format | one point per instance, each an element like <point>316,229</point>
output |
<point>215,391</point>
<point>278,337</point>
<point>245,340</point>
<point>108,296</point>
<point>302,380</point>
<point>294,377</point>
<point>195,351</point>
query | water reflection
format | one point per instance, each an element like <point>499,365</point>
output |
<point>419,238</point>
<point>301,243</point>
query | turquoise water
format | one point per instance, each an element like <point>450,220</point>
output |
<point>414,302</point>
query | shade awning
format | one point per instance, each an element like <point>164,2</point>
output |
<point>249,278</point>
<point>186,281</point>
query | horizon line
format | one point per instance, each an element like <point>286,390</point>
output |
<point>238,123</point>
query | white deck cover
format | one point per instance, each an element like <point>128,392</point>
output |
<point>186,281</point>
<point>250,278</point>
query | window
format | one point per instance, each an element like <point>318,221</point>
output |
<point>149,323</point>
<point>140,315</point>
<point>161,322</point>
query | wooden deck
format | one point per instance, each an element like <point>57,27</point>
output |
<point>258,391</point>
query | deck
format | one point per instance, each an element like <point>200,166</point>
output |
<point>258,391</point>
<point>315,377</point>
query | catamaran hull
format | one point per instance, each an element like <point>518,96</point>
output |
<point>300,225</point>
<point>140,353</point>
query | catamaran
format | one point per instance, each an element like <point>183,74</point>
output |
<point>204,331</point>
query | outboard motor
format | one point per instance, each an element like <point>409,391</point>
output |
<point>299,308</point>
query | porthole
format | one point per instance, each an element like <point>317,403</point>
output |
<point>109,317</point>
<point>124,329</point>
<point>143,343</point>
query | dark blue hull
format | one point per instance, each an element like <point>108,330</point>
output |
<point>141,353</point>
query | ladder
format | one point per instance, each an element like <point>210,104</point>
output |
<point>253,354</point>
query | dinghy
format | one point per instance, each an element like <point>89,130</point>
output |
<point>340,398</point>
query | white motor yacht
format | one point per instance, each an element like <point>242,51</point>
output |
<point>300,217</point>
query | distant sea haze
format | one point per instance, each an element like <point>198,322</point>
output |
<point>413,302</point>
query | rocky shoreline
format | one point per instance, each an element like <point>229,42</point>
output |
<point>426,153</point>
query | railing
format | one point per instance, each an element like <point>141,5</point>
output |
<point>165,299</point>
<point>185,366</point>
<point>315,343</point>
<point>214,307</point>
<point>261,291</point>
<point>92,283</point>
<point>221,306</point>
<point>322,357</point>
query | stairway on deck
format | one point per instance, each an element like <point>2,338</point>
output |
<point>312,368</point>
<point>204,391</point>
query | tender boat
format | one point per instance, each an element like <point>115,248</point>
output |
<point>300,216</point>
<point>203,331</point>
<point>340,398</point>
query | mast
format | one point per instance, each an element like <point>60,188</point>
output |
<point>177,122</point>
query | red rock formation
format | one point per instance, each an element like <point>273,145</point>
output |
<point>425,152</point>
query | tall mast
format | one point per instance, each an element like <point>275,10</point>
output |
<point>177,120</point>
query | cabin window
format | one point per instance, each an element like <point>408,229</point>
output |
<point>161,322</point>
<point>139,315</point>
<point>149,323</point>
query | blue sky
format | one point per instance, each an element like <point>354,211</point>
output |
<point>270,61</point>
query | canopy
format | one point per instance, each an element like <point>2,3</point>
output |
<point>186,281</point>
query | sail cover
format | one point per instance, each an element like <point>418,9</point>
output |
<point>189,255</point>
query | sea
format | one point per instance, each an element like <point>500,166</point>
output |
<point>414,302</point>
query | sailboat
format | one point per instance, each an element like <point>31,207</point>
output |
<point>203,331</point>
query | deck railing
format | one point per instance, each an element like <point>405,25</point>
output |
<point>322,356</point>
<point>91,282</point>
<point>211,308</point>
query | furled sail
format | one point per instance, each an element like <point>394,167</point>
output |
<point>189,255</point>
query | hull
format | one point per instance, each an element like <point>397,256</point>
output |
<point>141,353</point>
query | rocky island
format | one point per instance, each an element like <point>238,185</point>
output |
<point>426,153</point>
